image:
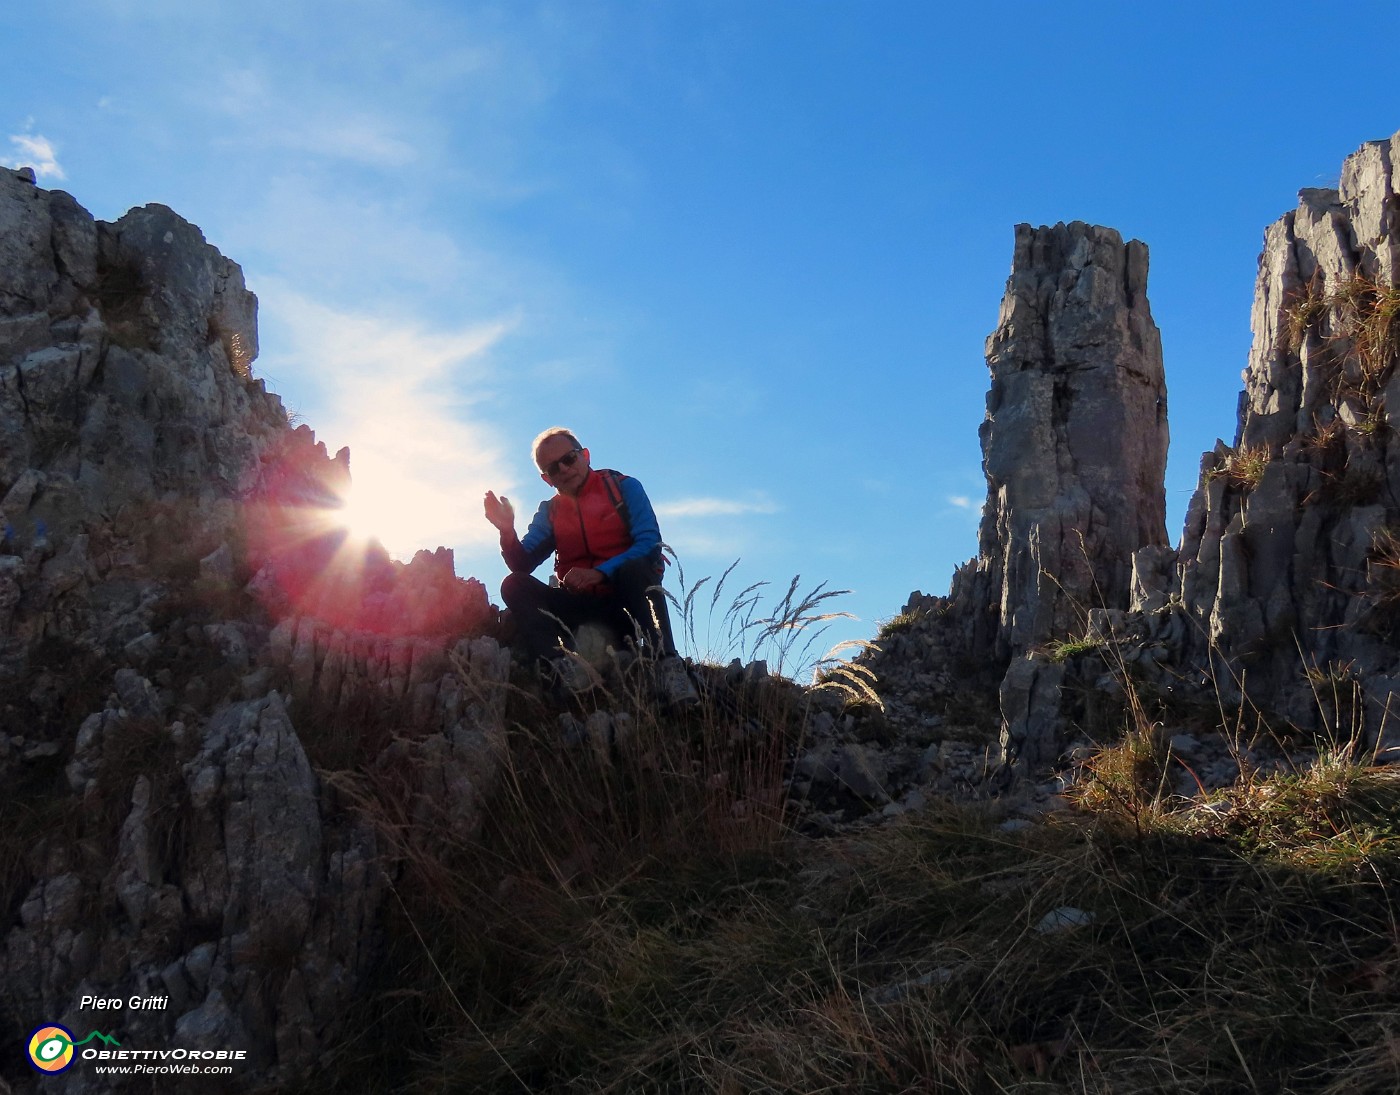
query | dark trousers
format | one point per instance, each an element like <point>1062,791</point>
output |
<point>635,606</point>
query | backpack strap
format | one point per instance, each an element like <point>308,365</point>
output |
<point>610,481</point>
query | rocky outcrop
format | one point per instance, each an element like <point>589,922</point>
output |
<point>303,563</point>
<point>190,648</point>
<point>1282,600</point>
<point>1074,447</point>
<point>1282,593</point>
<point>227,877</point>
<point>128,424</point>
<point>1074,444</point>
<point>137,451</point>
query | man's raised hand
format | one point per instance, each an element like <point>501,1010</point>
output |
<point>500,512</point>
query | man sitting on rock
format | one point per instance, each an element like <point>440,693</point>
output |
<point>607,554</point>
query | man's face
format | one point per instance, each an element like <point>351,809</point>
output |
<point>566,480</point>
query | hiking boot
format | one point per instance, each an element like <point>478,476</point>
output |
<point>673,685</point>
<point>572,676</point>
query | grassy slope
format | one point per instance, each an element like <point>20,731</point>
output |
<point>637,918</point>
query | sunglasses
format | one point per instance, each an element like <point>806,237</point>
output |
<point>568,460</point>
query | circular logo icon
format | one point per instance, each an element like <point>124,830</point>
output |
<point>51,1048</point>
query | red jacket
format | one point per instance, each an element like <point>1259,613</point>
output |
<point>588,529</point>
<point>608,524</point>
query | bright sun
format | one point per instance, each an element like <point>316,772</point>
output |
<point>394,506</point>
<point>360,516</point>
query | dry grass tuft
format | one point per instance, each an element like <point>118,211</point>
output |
<point>1304,313</point>
<point>1130,776</point>
<point>1243,467</point>
<point>1359,322</point>
<point>784,635</point>
<point>1383,571</point>
<point>635,917</point>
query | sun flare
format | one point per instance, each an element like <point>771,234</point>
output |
<point>396,505</point>
<point>360,515</point>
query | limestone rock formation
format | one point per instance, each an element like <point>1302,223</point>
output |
<point>1074,444</point>
<point>136,448</point>
<point>1284,578</point>
<point>1074,447</point>
<point>187,639</point>
<point>1282,599</point>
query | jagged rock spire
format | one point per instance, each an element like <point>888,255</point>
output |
<point>1289,545</point>
<point>1074,444</point>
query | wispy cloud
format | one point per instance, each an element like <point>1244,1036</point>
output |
<point>390,389</point>
<point>349,246</point>
<point>363,140</point>
<point>280,118</point>
<point>704,529</point>
<point>713,507</point>
<point>38,152</point>
<point>698,550</point>
<point>965,504</point>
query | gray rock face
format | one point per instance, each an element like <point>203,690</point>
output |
<point>1074,447</point>
<point>124,350</point>
<point>1284,575</point>
<point>173,645</point>
<point>1284,594</point>
<point>1074,444</point>
<point>128,421</point>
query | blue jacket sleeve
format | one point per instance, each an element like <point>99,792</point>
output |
<point>524,554</point>
<point>646,533</point>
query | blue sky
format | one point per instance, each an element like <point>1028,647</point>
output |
<point>749,251</point>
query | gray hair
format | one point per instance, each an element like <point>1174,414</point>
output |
<point>553,431</point>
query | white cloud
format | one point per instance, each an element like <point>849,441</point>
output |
<point>272,117</point>
<point>713,507</point>
<point>342,245</point>
<point>696,549</point>
<point>688,526</point>
<point>362,139</point>
<point>420,461</point>
<point>963,502</point>
<point>38,152</point>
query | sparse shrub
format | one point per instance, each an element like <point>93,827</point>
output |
<point>1130,776</point>
<point>1244,466</point>
<point>1369,317</point>
<point>1303,313</point>
<point>1355,486</point>
<point>896,625</point>
<point>1361,318</point>
<point>1326,438</point>
<point>1331,675</point>
<point>1060,650</point>
<point>1371,425</point>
